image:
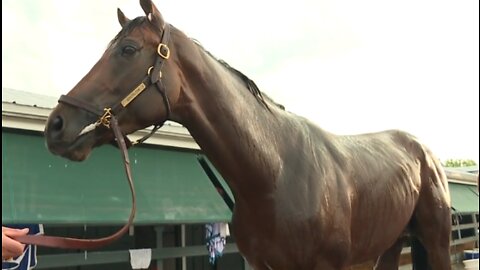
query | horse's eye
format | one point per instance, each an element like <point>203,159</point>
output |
<point>128,50</point>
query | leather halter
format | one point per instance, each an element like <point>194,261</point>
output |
<point>108,119</point>
<point>154,75</point>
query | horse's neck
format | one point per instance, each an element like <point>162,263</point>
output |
<point>230,125</point>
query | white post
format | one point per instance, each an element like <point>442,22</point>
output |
<point>184,259</point>
<point>159,236</point>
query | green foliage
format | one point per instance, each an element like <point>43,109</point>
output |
<point>459,163</point>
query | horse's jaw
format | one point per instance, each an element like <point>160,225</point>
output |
<point>81,146</point>
<point>79,150</point>
<point>68,153</point>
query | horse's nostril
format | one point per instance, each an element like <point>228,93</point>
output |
<point>57,123</point>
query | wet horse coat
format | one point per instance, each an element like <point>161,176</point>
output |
<point>304,198</point>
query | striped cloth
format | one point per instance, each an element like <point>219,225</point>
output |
<point>28,260</point>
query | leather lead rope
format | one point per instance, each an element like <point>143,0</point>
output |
<point>85,244</point>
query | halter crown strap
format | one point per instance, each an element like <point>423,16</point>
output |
<point>163,52</point>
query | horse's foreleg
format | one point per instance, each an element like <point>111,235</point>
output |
<point>390,259</point>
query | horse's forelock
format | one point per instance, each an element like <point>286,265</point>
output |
<point>128,28</point>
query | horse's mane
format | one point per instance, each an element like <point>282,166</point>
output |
<point>251,86</point>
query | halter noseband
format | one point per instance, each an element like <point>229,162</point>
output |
<point>154,75</point>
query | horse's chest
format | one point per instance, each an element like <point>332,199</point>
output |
<point>268,240</point>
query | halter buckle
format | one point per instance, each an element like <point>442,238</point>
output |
<point>166,54</point>
<point>105,118</point>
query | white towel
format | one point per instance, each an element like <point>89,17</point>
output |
<point>224,231</point>
<point>140,258</point>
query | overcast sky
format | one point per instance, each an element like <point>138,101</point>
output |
<point>349,66</point>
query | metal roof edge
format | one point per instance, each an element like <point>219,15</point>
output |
<point>461,177</point>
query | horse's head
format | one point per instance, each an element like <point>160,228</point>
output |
<point>127,82</point>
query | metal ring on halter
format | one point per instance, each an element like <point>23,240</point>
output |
<point>106,117</point>
<point>150,70</point>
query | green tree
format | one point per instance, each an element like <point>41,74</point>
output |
<point>459,163</point>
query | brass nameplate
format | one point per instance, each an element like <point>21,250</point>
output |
<point>133,95</point>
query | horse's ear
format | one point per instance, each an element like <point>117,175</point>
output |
<point>122,19</point>
<point>152,13</point>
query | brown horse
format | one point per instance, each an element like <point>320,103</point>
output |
<point>304,198</point>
